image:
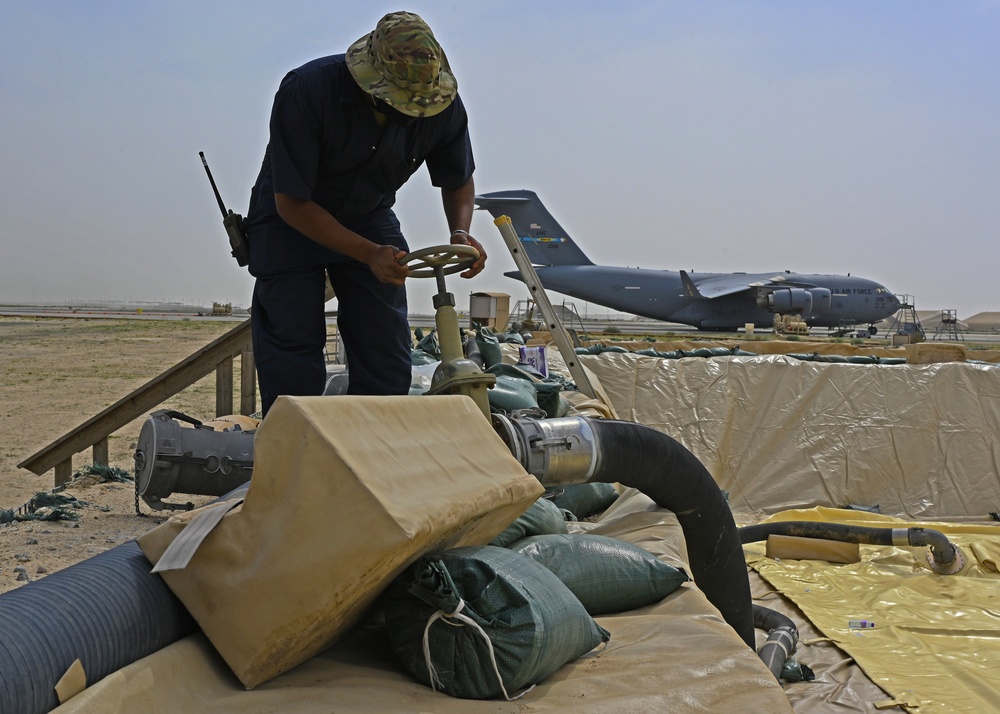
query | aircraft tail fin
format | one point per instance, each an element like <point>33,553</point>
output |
<point>690,289</point>
<point>543,239</point>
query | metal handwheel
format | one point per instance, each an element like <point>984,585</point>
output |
<point>448,258</point>
<point>456,374</point>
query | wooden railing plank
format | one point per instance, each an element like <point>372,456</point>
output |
<point>101,452</point>
<point>139,402</point>
<point>64,471</point>
<point>224,387</point>
<point>248,382</point>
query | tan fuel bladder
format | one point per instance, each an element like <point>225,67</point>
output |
<point>346,492</point>
<point>676,656</point>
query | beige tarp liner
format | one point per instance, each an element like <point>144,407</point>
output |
<point>779,433</point>
<point>676,656</point>
<point>918,440</point>
<point>784,347</point>
<point>936,641</point>
<point>346,492</point>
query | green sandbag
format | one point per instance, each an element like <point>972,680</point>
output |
<point>550,399</point>
<point>568,516</point>
<point>542,518</point>
<point>720,351</point>
<point>606,574</point>
<point>419,357</point>
<point>511,370</point>
<point>699,352</point>
<point>546,393</point>
<point>530,370</point>
<point>430,345</point>
<point>583,499</point>
<point>510,393</point>
<point>489,347</point>
<point>530,622</point>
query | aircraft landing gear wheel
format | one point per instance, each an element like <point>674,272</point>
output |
<point>425,262</point>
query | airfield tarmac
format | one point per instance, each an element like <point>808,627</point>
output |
<point>597,324</point>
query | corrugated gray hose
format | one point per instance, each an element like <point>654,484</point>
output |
<point>782,637</point>
<point>107,611</point>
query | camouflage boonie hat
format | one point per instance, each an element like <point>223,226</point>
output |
<point>402,64</point>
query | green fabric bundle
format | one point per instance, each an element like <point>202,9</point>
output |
<point>430,344</point>
<point>512,393</point>
<point>583,499</point>
<point>542,518</point>
<point>521,386</point>
<point>484,622</point>
<point>605,574</point>
<point>489,346</point>
<point>419,357</point>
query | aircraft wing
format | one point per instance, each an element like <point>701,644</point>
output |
<point>718,286</point>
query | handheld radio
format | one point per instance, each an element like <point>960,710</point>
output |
<point>232,222</point>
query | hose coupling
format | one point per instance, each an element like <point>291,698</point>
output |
<point>943,556</point>
<point>561,450</point>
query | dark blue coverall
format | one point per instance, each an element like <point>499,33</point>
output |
<point>326,146</point>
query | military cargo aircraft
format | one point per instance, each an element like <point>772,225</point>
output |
<point>707,301</point>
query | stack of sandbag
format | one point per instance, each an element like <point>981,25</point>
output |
<point>488,622</point>
<point>485,622</point>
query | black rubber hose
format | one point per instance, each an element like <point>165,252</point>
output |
<point>107,611</point>
<point>945,556</point>
<point>811,529</point>
<point>641,457</point>
<point>782,637</point>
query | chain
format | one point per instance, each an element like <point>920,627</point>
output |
<point>138,512</point>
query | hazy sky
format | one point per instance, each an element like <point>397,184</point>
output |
<point>839,136</point>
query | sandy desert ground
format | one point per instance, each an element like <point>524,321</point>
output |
<point>56,373</point>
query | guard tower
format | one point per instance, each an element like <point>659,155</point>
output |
<point>947,329</point>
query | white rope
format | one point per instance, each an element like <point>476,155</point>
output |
<point>462,619</point>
